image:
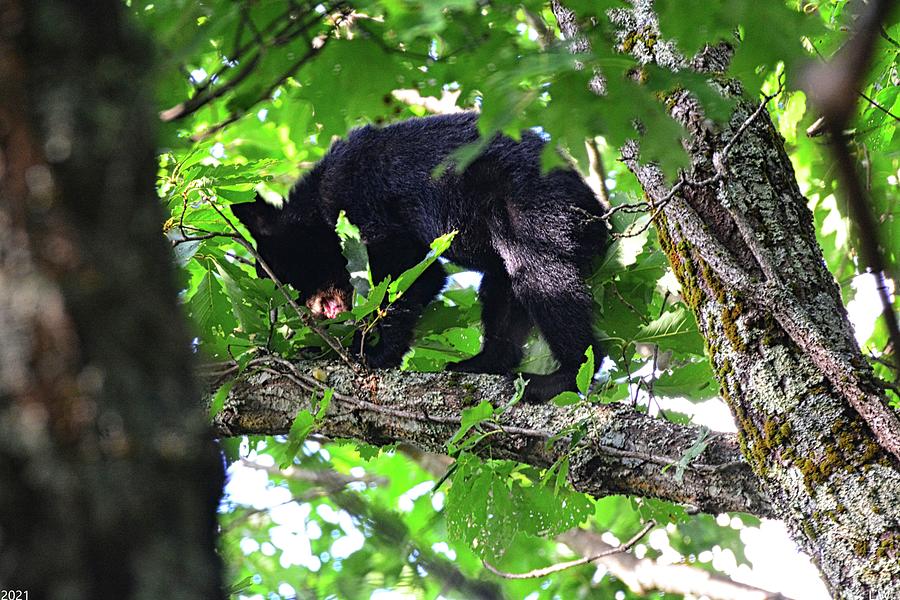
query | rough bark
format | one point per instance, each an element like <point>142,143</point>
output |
<point>623,452</point>
<point>109,481</point>
<point>740,239</point>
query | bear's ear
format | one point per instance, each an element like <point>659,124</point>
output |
<point>259,217</point>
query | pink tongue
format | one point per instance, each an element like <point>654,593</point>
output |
<point>331,309</point>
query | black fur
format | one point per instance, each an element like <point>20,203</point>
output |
<point>531,235</point>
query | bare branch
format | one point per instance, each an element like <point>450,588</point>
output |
<point>642,576</point>
<point>573,563</point>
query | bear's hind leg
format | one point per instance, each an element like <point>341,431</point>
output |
<point>557,300</point>
<point>505,328</point>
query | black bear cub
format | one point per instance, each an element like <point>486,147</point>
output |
<point>530,234</point>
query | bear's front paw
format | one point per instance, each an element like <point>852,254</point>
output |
<point>542,388</point>
<point>375,356</point>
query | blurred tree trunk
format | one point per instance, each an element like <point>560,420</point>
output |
<point>812,420</point>
<point>109,482</point>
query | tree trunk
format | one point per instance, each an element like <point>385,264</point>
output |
<point>109,482</point>
<point>812,421</point>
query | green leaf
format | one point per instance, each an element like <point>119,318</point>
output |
<point>615,392</point>
<point>566,398</point>
<point>324,403</point>
<point>184,251</point>
<point>519,385</point>
<point>236,195</point>
<point>373,301</point>
<point>794,110</point>
<point>221,395</point>
<point>562,476</point>
<point>586,372</point>
<point>240,586</point>
<point>470,418</point>
<point>463,339</point>
<point>367,451</point>
<point>211,310</point>
<point>354,250</point>
<point>540,512</point>
<point>490,503</point>
<point>674,330</point>
<point>695,534</point>
<point>231,448</point>
<point>696,449</point>
<point>693,381</point>
<point>356,70</point>
<point>408,277</point>
<point>303,425</point>
<point>248,316</point>
<point>660,510</point>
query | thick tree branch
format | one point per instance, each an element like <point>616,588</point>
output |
<point>623,452</point>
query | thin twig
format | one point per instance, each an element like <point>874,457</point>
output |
<point>878,106</point>
<point>885,35</point>
<point>212,130</point>
<point>198,238</point>
<point>657,207</point>
<point>563,566</point>
<point>664,461</point>
<point>627,208</point>
<point>720,158</point>
<point>204,94</point>
<point>237,257</point>
<point>198,101</point>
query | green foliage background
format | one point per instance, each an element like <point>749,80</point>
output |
<point>288,77</point>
